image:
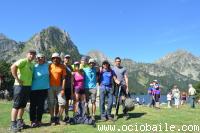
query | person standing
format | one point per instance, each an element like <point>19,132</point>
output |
<point>90,85</point>
<point>176,96</point>
<point>79,91</point>
<point>191,92</point>
<point>56,93</point>
<point>68,85</point>
<point>39,90</point>
<point>22,71</point>
<point>183,98</point>
<point>122,76</point>
<point>106,77</point>
<point>156,94</point>
<point>169,99</point>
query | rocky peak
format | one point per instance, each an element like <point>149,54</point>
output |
<point>183,62</point>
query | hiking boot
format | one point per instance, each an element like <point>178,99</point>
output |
<point>126,116</point>
<point>66,119</point>
<point>57,121</point>
<point>13,128</point>
<point>20,124</point>
<point>34,124</point>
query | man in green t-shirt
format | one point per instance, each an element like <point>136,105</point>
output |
<point>22,71</point>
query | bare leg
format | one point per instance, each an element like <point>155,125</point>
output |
<point>14,113</point>
<point>94,108</point>
<point>20,113</point>
<point>61,110</point>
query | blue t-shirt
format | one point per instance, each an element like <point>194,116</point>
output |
<point>106,77</point>
<point>90,80</point>
<point>40,77</point>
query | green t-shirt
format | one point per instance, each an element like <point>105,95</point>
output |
<point>25,71</point>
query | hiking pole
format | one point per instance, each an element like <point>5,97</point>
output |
<point>118,100</point>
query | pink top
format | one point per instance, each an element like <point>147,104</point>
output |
<point>78,80</point>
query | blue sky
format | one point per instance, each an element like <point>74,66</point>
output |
<point>143,30</point>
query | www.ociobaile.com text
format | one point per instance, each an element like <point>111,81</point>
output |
<point>148,128</point>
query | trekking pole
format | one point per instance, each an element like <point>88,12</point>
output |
<point>118,99</point>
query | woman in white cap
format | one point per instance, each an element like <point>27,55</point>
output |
<point>39,90</point>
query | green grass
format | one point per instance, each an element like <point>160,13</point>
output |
<point>140,116</point>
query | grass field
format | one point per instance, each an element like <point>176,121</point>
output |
<point>143,119</point>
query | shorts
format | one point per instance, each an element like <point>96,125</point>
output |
<point>68,93</point>
<point>79,91</point>
<point>21,96</point>
<point>91,94</point>
<point>54,97</point>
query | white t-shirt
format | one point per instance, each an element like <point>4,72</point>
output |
<point>169,97</point>
<point>192,91</point>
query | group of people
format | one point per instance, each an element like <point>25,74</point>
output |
<point>174,95</point>
<point>59,82</point>
<point>180,98</point>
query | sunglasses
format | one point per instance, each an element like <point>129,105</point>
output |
<point>40,57</point>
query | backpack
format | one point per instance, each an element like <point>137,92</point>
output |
<point>129,104</point>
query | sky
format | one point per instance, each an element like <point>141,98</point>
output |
<point>142,30</point>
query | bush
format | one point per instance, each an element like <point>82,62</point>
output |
<point>6,77</point>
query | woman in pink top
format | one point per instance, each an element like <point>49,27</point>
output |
<point>78,84</point>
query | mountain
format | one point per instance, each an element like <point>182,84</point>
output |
<point>183,62</point>
<point>8,47</point>
<point>48,41</point>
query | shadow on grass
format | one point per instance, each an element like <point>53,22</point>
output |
<point>42,125</point>
<point>132,115</point>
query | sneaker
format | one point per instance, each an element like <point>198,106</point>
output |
<point>20,123</point>
<point>13,128</point>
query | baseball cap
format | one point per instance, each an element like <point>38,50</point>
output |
<point>91,60</point>
<point>67,56</point>
<point>55,55</point>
